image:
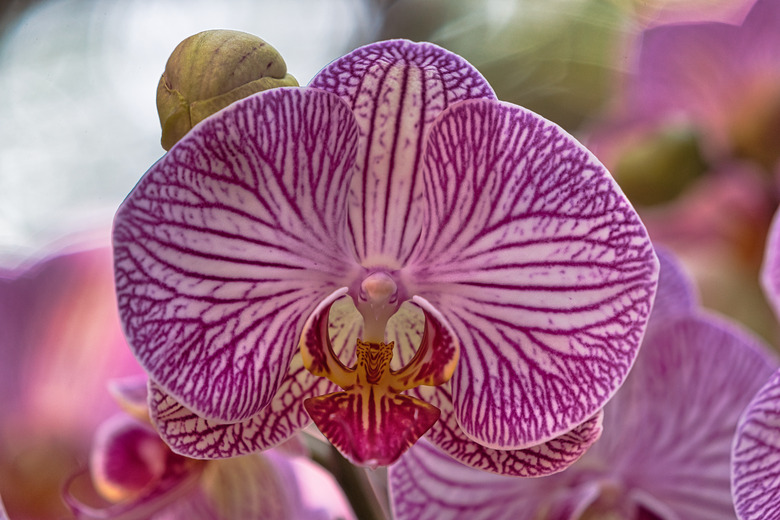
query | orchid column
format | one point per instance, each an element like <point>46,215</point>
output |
<point>455,264</point>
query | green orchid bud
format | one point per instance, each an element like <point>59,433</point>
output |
<point>210,70</point>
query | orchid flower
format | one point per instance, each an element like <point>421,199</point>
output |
<point>389,251</point>
<point>141,478</point>
<point>60,342</point>
<point>756,450</point>
<point>667,435</point>
<point>720,79</point>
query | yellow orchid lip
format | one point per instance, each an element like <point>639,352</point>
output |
<point>370,421</point>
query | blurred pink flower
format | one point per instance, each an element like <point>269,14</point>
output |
<point>135,475</point>
<point>721,80</point>
<point>60,342</point>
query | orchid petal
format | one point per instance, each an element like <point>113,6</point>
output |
<point>756,456</point>
<point>219,252</point>
<point>770,270</point>
<point>686,69</point>
<point>541,266</point>
<point>676,295</point>
<point>669,429</point>
<point>129,459</point>
<point>396,89</point>
<point>543,459</point>
<point>426,484</point>
<point>162,502</point>
<point>193,436</point>
<point>255,486</point>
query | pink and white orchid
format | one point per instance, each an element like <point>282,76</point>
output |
<point>394,251</point>
<point>665,451</point>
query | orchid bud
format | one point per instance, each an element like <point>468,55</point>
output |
<point>210,70</point>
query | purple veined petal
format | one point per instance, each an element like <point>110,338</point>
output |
<point>426,484</point>
<point>229,241</point>
<point>193,436</point>
<point>534,256</point>
<point>755,458</point>
<point>396,89</point>
<point>770,270</point>
<point>547,458</point>
<point>668,431</point>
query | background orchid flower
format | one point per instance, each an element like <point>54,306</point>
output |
<point>693,140</point>
<point>755,458</point>
<point>390,226</point>
<point>667,435</point>
<point>756,450</point>
<point>139,477</point>
<point>60,342</point>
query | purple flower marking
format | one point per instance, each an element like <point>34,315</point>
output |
<point>394,204</point>
<point>756,456</point>
<point>667,435</point>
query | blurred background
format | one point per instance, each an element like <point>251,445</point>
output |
<point>680,103</point>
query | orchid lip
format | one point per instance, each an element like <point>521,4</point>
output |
<point>370,420</point>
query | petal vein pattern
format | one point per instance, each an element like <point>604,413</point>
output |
<point>192,436</point>
<point>538,261</point>
<point>229,241</point>
<point>755,459</point>
<point>396,89</point>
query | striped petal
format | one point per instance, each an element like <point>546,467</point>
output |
<point>668,431</point>
<point>664,453</point>
<point>543,459</point>
<point>756,456</point>
<point>396,89</point>
<point>539,263</point>
<point>426,484</point>
<point>193,436</point>
<point>229,241</point>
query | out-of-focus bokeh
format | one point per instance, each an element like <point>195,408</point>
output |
<point>78,121</point>
<point>649,85</point>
